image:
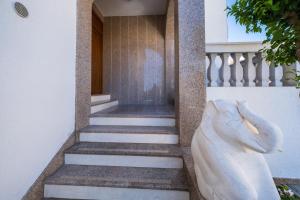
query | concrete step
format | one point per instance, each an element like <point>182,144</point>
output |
<point>138,111</point>
<point>59,199</point>
<point>130,134</point>
<point>103,97</point>
<point>135,115</point>
<point>103,105</point>
<point>100,102</point>
<point>131,121</point>
<point>126,155</point>
<point>117,183</point>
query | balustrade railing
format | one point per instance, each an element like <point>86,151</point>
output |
<point>242,65</point>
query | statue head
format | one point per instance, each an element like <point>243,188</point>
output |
<point>235,123</point>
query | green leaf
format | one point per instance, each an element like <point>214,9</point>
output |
<point>270,14</point>
<point>269,3</point>
<point>276,7</point>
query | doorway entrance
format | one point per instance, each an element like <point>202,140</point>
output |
<point>97,54</point>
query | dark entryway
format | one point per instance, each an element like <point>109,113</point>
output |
<point>97,54</point>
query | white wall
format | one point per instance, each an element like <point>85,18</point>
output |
<point>37,89</point>
<point>280,105</point>
<point>216,29</point>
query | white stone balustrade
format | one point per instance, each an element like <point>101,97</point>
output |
<point>249,70</point>
<point>242,65</point>
<point>237,70</point>
<point>213,70</point>
<point>225,73</point>
<point>262,72</point>
<point>276,76</point>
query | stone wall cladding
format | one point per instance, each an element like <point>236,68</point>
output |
<point>83,62</point>
<point>190,66</point>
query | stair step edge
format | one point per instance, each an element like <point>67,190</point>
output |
<point>129,129</point>
<point>123,177</point>
<point>97,103</point>
<point>129,149</point>
<point>113,115</point>
<point>100,97</point>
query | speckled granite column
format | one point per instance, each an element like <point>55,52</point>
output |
<point>83,62</point>
<point>190,66</point>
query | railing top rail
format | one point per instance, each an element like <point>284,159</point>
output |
<point>233,47</point>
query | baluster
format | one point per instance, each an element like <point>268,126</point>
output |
<point>263,72</point>
<point>298,71</point>
<point>289,74</point>
<point>213,70</point>
<point>219,62</point>
<point>298,67</point>
<point>249,70</point>
<point>276,75</point>
<point>207,66</point>
<point>225,70</point>
<point>237,70</point>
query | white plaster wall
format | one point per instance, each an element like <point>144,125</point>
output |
<point>37,89</point>
<point>280,105</point>
<point>216,28</point>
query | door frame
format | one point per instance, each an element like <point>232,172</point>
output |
<point>190,68</point>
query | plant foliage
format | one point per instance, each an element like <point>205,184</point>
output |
<point>286,193</point>
<point>281,21</point>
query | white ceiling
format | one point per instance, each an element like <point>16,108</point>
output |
<point>131,7</point>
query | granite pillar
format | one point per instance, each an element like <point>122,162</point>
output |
<point>83,62</point>
<point>189,67</point>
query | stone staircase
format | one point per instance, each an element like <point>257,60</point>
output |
<point>126,153</point>
<point>102,102</point>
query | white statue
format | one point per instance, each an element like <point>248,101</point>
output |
<point>227,151</point>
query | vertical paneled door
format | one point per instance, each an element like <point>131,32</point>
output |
<point>134,59</point>
<point>97,55</point>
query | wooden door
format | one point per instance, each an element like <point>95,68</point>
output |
<point>97,54</point>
